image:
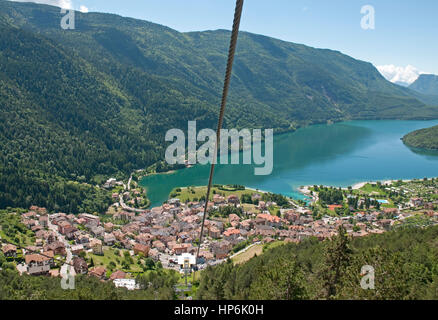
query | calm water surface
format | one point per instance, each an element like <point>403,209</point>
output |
<point>341,154</point>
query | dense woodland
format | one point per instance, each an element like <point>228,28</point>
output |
<point>154,285</point>
<point>78,106</point>
<point>423,139</point>
<point>405,263</point>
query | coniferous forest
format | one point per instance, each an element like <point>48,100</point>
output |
<point>404,261</point>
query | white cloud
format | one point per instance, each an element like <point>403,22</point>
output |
<point>394,74</point>
<point>83,9</point>
<point>66,4</point>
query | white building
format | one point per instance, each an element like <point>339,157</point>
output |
<point>186,260</point>
<point>129,284</point>
<point>37,264</point>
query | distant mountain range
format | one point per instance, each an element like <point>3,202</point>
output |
<point>80,105</point>
<point>403,84</point>
<point>426,84</point>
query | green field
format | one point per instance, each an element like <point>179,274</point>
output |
<point>255,250</point>
<point>110,255</point>
<point>370,190</point>
<point>247,255</point>
<point>13,231</point>
<point>195,193</point>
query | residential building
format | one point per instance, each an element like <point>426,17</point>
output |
<point>233,199</point>
<point>98,232</point>
<point>221,249</point>
<point>80,266</point>
<point>109,239</point>
<point>43,221</point>
<point>37,264</point>
<point>57,247</point>
<point>9,250</point>
<point>117,275</point>
<point>96,245</point>
<point>231,234</point>
<point>141,248</point>
<point>98,272</point>
<point>76,249</point>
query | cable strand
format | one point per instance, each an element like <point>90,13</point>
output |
<point>231,53</point>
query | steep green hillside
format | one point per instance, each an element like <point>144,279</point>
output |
<point>77,105</point>
<point>427,84</point>
<point>423,139</point>
<point>274,82</point>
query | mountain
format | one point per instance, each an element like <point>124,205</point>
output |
<point>423,139</point>
<point>403,84</point>
<point>80,105</point>
<point>426,84</point>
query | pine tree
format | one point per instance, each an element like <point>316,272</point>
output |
<point>337,259</point>
<point>281,280</point>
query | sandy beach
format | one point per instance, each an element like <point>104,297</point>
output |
<point>306,189</point>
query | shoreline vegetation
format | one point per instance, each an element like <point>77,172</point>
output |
<point>294,194</point>
<point>423,139</point>
<point>198,193</point>
<point>306,190</point>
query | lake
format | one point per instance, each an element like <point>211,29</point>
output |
<point>340,154</point>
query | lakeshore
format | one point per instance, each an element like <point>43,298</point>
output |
<point>342,154</point>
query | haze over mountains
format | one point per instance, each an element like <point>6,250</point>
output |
<point>96,101</point>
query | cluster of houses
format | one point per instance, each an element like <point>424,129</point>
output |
<point>53,244</point>
<point>173,229</point>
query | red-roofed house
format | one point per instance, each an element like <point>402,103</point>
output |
<point>9,250</point>
<point>98,272</point>
<point>270,220</point>
<point>333,207</point>
<point>141,248</point>
<point>118,275</point>
<point>233,199</point>
<point>231,234</point>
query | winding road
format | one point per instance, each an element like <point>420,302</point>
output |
<point>69,257</point>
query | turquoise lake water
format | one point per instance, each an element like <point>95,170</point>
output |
<point>340,154</point>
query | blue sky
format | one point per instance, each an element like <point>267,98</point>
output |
<point>405,34</point>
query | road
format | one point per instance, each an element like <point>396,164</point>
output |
<point>127,208</point>
<point>69,257</point>
<point>129,183</point>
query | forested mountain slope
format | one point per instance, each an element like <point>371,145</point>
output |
<point>78,105</point>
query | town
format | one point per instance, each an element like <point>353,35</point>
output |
<point>128,241</point>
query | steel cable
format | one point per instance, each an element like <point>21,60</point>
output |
<point>231,53</point>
